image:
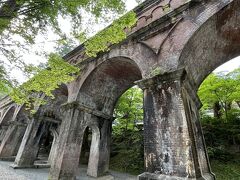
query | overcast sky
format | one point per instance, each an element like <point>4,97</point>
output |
<point>46,44</point>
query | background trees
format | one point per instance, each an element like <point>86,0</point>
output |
<point>127,141</point>
<point>129,111</point>
<point>220,92</point>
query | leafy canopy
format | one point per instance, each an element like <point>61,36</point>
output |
<point>129,110</point>
<point>25,19</point>
<point>219,92</point>
<point>223,88</point>
<point>45,80</point>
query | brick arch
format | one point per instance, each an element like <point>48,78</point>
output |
<point>52,109</point>
<point>8,115</point>
<point>139,53</point>
<point>215,42</point>
<point>107,82</point>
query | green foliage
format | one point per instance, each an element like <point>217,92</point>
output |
<point>45,80</point>
<point>127,153</point>
<point>222,133</point>
<point>34,16</point>
<point>227,170</point>
<point>128,111</point>
<point>115,33</point>
<point>220,88</point>
<point>28,18</point>
<point>127,144</point>
<point>222,138</point>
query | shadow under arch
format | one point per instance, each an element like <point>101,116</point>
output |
<point>214,43</point>
<point>5,120</point>
<point>15,132</point>
<point>108,82</point>
<point>7,117</point>
<point>100,91</point>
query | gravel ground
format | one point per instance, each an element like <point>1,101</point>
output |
<point>8,173</point>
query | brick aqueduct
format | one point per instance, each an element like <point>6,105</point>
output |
<point>173,47</point>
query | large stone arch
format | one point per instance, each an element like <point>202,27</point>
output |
<point>15,121</point>
<point>139,53</point>
<point>107,82</point>
<point>6,118</point>
<point>174,145</point>
<point>215,42</point>
<point>8,115</point>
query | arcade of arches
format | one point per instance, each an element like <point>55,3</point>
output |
<point>167,54</point>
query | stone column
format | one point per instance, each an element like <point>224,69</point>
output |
<point>54,145</point>
<point>12,140</point>
<point>3,131</point>
<point>29,147</point>
<point>98,164</point>
<point>65,162</point>
<point>173,141</point>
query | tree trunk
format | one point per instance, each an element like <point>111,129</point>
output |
<point>217,110</point>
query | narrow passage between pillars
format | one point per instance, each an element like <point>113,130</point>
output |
<point>66,160</point>
<point>12,140</point>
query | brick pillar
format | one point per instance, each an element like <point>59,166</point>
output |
<point>98,164</point>
<point>173,141</point>
<point>29,147</point>
<point>66,160</point>
<point>53,150</point>
<point>12,140</point>
<point>3,131</point>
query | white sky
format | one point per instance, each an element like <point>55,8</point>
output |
<point>230,65</point>
<point>48,46</point>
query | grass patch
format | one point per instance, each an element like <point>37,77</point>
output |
<point>226,170</point>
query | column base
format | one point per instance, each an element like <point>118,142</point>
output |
<point>106,177</point>
<point>152,176</point>
<point>35,166</point>
<point>15,166</point>
<point>11,158</point>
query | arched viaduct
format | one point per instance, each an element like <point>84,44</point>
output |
<point>173,47</point>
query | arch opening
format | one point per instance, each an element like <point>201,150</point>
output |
<point>220,118</point>
<point>89,150</point>
<point>4,124</point>
<point>85,149</point>
<point>127,147</point>
<point>47,135</point>
<point>100,92</point>
<point>108,82</point>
